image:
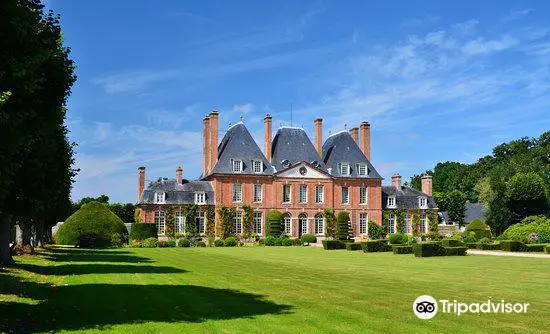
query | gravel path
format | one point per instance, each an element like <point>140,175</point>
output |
<point>497,253</point>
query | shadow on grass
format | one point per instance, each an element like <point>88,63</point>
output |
<point>95,268</point>
<point>102,305</point>
<point>91,255</point>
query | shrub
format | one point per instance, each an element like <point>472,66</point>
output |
<point>353,246</point>
<point>274,223</point>
<point>116,240</point>
<point>451,243</point>
<point>429,248</point>
<point>308,239</point>
<point>201,244</point>
<point>470,245</point>
<point>484,241</point>
<point>492,246</point>
<point>150,243</point>
<point>135,244</point>
<point>375,230</point>
<point>512,246</point>
<point>23,250</point>
<point>398,238</point>
<point>269,240</point>
<point>286,242</point>
<point>230,242</point>
<point>455,251</point>
<point>547,249</point>
<point>470,237</point>
<point>531,229</point>
<point>171,243</point>
<point>184,242</point>
<point>163,243</point>
<point>218,243</point>
<point>479,228</point>
<point>434,236</point>
<point>93,241</point>
<point>402,249</point>
<point>296,242</point>
<point>333,244</point>
<point>92,219</point>
<point>342,226</point>
<point>277,242</point>
<point>376,246</point>
<point>142,231</point>
<point>534,247</point>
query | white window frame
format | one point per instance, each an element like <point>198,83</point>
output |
<point>160,222</point>
<point>423,223</point>
<point>391,202</point>
<point>258,164</point>
<point>362,169</point>
<point>302,194</point>
<point>391,223</point>
<point>287,221</point>
<point>302,220</point>
<point>345,167</point>
<point>200,197</point>
<point>289,187</point>
<point>319,194</point>
<point>238,222</point>
<point>237,192</point>
<point>363,196</point>
<point>408,223</point>
<point>236,165</point>
<point>257,192</point>
<point>422,202</point>
<point>180,222</point>
<point>319,224</point>
<point>200,218</point>
<point>346,201</point>
<point>257,223</point>
<point>160,197</point>
<point>363,223</point>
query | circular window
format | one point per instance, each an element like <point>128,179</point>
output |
<point>285,163</point>
<point>303,170</point>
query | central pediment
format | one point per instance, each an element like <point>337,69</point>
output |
<point>303,170</point>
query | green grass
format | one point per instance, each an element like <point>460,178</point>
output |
<point>264,289</point>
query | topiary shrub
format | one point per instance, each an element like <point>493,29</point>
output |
<point>269,240</point>
<point>274,220</point>
<point>451,243</point>
<point>470,237</point>
<point>184,242</point>
<point>142,231</point>
<point>92,241</point>
<point>353,246</point>
<point>512,246</point>
<point>470,245</point>
<point>398,239</point>
<point>201,244</point>
<point>150,243</point>
<point>372,246</point>
<point>402,249</point>
<point>342,226</point>
<point>308,239</point>
<point>92,219</point>
<point>333,244</point>
<point>286,242</point>
<point>533,229</point>
<point>547,249</point>
<point>455,251</point>
<point>479,228</point>
<point>171,243</point>
<point>218,243</point>
<point>488,246</point>
<point>429,248</point>
<point>230,242</point>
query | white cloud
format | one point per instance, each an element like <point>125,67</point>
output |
<point>481,46</point>
<point>132,80</point>
<point>243,109</point>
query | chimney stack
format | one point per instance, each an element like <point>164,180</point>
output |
<point>354,132</point>
<point>179,175</point>
<point>365,139</point>
<point>213,139</point>
<point>427,184</point>
<point>318,125</point>
<point>267,137</point>
<point>206,146</point>
<point>396,181</point>
<point>141,183</point>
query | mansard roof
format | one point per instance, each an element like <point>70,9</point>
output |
<point>177,193</point>
<point>405,197</point>
<point>341,148</point>
<point>239,144</point>
<point>291,146</point>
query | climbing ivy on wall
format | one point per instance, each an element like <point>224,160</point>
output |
<point>210,222</point>
<point>191,227</point>
<point>225,228</point>
<point>170,223</point>
<point>248,218</point>
<point>400,219</point>
<point>432,221</point>
<point>416,223</point>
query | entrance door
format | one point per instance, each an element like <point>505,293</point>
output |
<point>302,224</point>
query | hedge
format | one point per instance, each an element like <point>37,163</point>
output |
<point>470,245</point>
<point>333,244</point>
<point>480,229</point>
<point>376,246</point>
<point>230,242</point>
<point>353,246</point>
<point>184,242</point>
<point>93,241</point>
<point>455,251</point>
<point>495,246</point>
<point>398,239</point>
<point>429,248</point>
<point>308,239</point>
<point>274,220</point>
<point>342,226</point>
<point>512,246</point>
<point>142,231</point>
<point>452,243</point>
<point>218,243</point>
<point>547,249</point>
<point>93,219</point>
<point>402,249</point>
<point>531,229</point>
<point>535,247</point>
<point>286,242</point>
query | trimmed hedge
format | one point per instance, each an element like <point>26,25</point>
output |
<point>512,246</point>
<point>342,226</point>
<point>402,249</point>
<point>452,243</point>
<point>371,246</point>
<point>398,239</point>
<point>286,242</point>
<point>353,246</point>
<point>274,219</point>
<point>547,249</point>
<point>535,247</point>
<point>494,246</point>
<point>470,245</point>
<point>333,244</point>
<point>92,241</point>
<point>142,231</point>
<point>429,248</point>
<point>308,239</point>
<point>479,228</point>
<point>455,251</point>
<point>531,229</point>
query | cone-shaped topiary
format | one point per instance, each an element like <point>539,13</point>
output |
<point>480,229</point>
<point>342,226</point>
<point>92,219</point>
<point>274,222</point>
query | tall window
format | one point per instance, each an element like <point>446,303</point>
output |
<point>408,223</point>
<point>391,202</point>
<point>258,193</point>
<point>199,218</point>
<point>180,224</point>
<point>286,193</point>
<point>287,222</point>
<point>258,222</point>
<point>303,194</point>
<point>237,192</point>
<point>362,195</point>
<point>344,169</point>
<point>362,169</point>
<point>200,198</point>
<point>257,166</point>
<point>345,195</point>
<point>319,194</point>
<point>160,198</point>
<point>422,202</point>
<point>238,223</point>
<point>159,222</point>
<point>363,221</point>
<point>391,223</point>
<point>236,165</point>
<point>423,224</point>
<point>319,223</point>
<point>302,224</point>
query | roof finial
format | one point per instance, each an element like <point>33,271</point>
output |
<point>345,126</point>
<point>329,132</point>
<point>229,124</point>
<point>241,117</point>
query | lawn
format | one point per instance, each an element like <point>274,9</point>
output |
<point>264,289</point>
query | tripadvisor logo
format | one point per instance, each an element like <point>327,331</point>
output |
<point>426,307</point>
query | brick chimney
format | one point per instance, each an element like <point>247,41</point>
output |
<point>354,132</point>
<point>206,145</point>
<point>267,136</point>
<point>214,115</point>
<point>179,175</point>
<point>396,181</point>
<point>318,125</point>
<point>365,139</point>
<point>141,182</point>
<point>427,184</point>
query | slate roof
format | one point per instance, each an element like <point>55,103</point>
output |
<point>405,198</point>
<point>471,212</point>
<point>293,144</point>
<point>239,144</point>
<point>177,194</point>
<point>341,148</point>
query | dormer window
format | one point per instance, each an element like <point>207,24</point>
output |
<point>423,202</point>
<point>160,198</point>
<point>236,165</point>
<point>200,197</point>
<point>391,202</point>
<point>257,166</point>
<point>344,170</point>
<point>362,169</point>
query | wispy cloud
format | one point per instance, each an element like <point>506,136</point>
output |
<point>131,80</point>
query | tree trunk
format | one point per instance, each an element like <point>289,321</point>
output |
<point>26,230</point>
<point>39,228</point>
<point>5,252</point>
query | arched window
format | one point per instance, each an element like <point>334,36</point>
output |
<point>287,223</point>
<point>302,224</point>
<point>319,223</point>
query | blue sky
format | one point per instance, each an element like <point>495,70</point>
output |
<point>438,80</point>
